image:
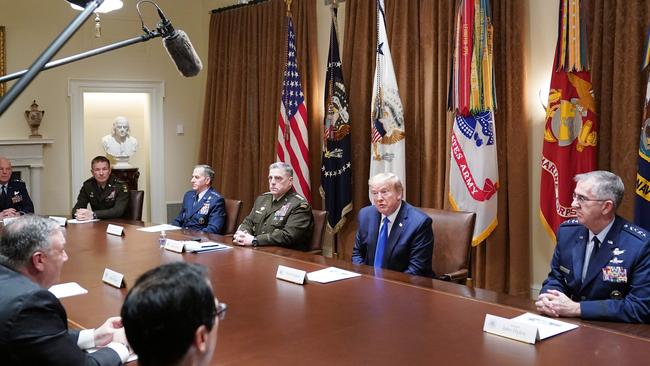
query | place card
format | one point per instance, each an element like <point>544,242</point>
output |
<point>115,230</point>
<point>61,221</point>
<point>113,278</point>
<point>291,275</point>
<point>510,329</point>
<point>174,245</point>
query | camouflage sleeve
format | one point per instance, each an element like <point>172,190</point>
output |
<point>295,233</point>
<point>82,200</point>
<point>248,225</point>
<point>121,201</point>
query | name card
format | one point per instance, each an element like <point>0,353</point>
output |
<point>291,275</point>
<point>115,279</point>
<point>510,329</point>
<point>174,245</point>
<point>61,221</point>
<point>115,230</point>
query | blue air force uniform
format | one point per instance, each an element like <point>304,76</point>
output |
<point>617,284</point>
<point>207,214</point>
<point>17,198</point>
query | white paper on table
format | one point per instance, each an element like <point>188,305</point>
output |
<point>67,289</point>
<point>546,327</point>
<point>75,221</point>
<point>204,246</point>
<point>330,274</point>
<point>157,228</point>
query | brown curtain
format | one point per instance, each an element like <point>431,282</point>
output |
<point>419,33</point>
<point>617,31</point>
<point>242,99</point>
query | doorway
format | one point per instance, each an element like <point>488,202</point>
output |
<point>94,104</point>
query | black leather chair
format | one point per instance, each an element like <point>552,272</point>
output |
<point>452,235</point>
<point>134,208</point>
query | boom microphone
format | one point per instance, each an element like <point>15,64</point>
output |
<point>179,48</point>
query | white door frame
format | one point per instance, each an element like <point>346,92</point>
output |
<point>156,91</point>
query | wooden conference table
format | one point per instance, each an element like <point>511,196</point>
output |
<point>382,318</point>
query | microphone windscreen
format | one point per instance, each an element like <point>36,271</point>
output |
<point>183,54</point>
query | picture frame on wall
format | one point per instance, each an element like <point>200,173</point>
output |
<point>2,58</point>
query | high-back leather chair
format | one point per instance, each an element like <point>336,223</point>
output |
<point>320,219</point>
<point>233,208</point>
<point>452,242</point>
<point>134,207</point>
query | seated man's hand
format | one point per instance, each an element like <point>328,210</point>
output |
<point>10,212</point>
<point>83,214</point>
<point>555,303</point>
<point>111,331</point>
<point>242,238</point>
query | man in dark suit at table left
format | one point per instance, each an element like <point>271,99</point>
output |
<point>203,208</point>
<point>14,199</point>
<point>392,234</point>
<point>106,195</point>
<point>33,323</point>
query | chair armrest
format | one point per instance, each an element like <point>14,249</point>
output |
<point>459,275</point>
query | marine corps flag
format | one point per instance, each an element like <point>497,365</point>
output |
<point>387,132</point>
<point>642,201</point>
<point>336,171</point>
<point>570,134</point>
<point>293,146</point>
<point>473,172</point>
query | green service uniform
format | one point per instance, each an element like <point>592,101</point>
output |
<point>287,222</point>
<point>107,203</point>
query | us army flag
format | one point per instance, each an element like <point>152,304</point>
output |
<point>473,172</point>
<point>387,144</point>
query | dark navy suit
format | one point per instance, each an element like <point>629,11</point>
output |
<point>34,327</point>
<point>617,284</point>
<point>410,242</point>
<point>208,214</point>
<point>17,198</point>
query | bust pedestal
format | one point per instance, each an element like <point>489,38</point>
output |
<point>129,176</point>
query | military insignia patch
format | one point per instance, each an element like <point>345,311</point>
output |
<point>17,198</point>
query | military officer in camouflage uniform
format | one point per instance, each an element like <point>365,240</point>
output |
<point>279,217</point>
<point>108,196</point>
<point>601,266</point>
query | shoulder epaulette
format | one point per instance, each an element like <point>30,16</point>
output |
<point>571,222</point>
<point>636,231</point>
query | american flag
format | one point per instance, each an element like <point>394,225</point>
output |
<point>293,146</point>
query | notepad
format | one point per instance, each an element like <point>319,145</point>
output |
<point>330,274</point>
<point>206,246</point>
<point>67,289</point>
<point>157,228</point>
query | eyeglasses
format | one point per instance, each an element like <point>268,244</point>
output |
<point>581,199</point>
<point>221,310</point>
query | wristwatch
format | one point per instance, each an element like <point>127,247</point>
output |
<point>94,216</point>
<point>255,242</point>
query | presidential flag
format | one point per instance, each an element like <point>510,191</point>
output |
<point>336,170</point>
<point>387,143</point>
<point>570,134</point>
<point>293,145</point>
<point>642,200</point>
<point>473,172</point>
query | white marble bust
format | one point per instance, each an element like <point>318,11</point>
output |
<point>120,144</point>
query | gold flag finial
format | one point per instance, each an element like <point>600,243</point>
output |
<point>288,2</point>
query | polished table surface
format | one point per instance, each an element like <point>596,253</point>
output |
<point>380,318</point>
